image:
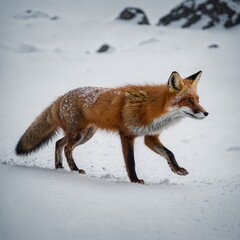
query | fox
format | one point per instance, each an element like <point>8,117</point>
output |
<point>131,111</point>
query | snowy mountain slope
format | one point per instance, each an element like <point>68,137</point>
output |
<point>42,59</point>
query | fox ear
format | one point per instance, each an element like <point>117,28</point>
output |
<point>175,82</point>
<point>195,78</point>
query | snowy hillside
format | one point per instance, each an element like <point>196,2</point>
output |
<point>48,48</point>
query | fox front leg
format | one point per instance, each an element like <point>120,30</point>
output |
<point>154,144</point>
<point>128,153</point>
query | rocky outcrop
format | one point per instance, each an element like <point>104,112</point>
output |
<point>207,14</point>
<point>135,15</point>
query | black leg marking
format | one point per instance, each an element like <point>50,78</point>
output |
<point>173,163</point>
<point>72,143</point>
<point>128,153</point>
<point>58,152</point>
<point>68,153</point>
<point>154,144</point>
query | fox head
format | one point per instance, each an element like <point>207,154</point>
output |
<point>184,97</point>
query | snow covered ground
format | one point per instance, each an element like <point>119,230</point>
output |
<point>54,51</point>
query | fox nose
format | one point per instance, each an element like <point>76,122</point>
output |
<point>206,114</point>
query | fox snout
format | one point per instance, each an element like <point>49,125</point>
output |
<point>199,113</point>
<point>205,113</point>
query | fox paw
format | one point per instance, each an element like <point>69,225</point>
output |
<point>140,181</point>
<point>181,171</point>
<point>59,166</point>
<point>81,171</point>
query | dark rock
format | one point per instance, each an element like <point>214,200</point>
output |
<point>210,24</point>
<point>214,45</point>
<point>54,18</point>
<point>131,13</point>
<point>233,149</point>
<point>218,12</point>
<point>230,23</point>
<point>191,20</point>
<point>176,14</point>
<point>103,48</point>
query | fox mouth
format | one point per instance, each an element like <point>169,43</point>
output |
<point>193,116</point>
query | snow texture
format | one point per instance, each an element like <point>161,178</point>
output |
<point>88,94</point>
<point>38,202</point>
<point>36,14</point>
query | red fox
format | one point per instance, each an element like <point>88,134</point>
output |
<point>132,111</point>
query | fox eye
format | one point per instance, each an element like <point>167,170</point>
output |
<point>187,100</point>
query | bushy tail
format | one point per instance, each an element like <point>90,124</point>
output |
<point>38,134</point>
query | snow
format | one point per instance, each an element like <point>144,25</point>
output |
<point>89,95</point>
<point>28,14</point>
<point>42,59</point>
<point>62,205</point>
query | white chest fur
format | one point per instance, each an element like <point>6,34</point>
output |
<point>158,124</point>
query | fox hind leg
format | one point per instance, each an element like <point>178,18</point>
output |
<point>75,140</point>
<point>58,152</point>
<point>68,150</point>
